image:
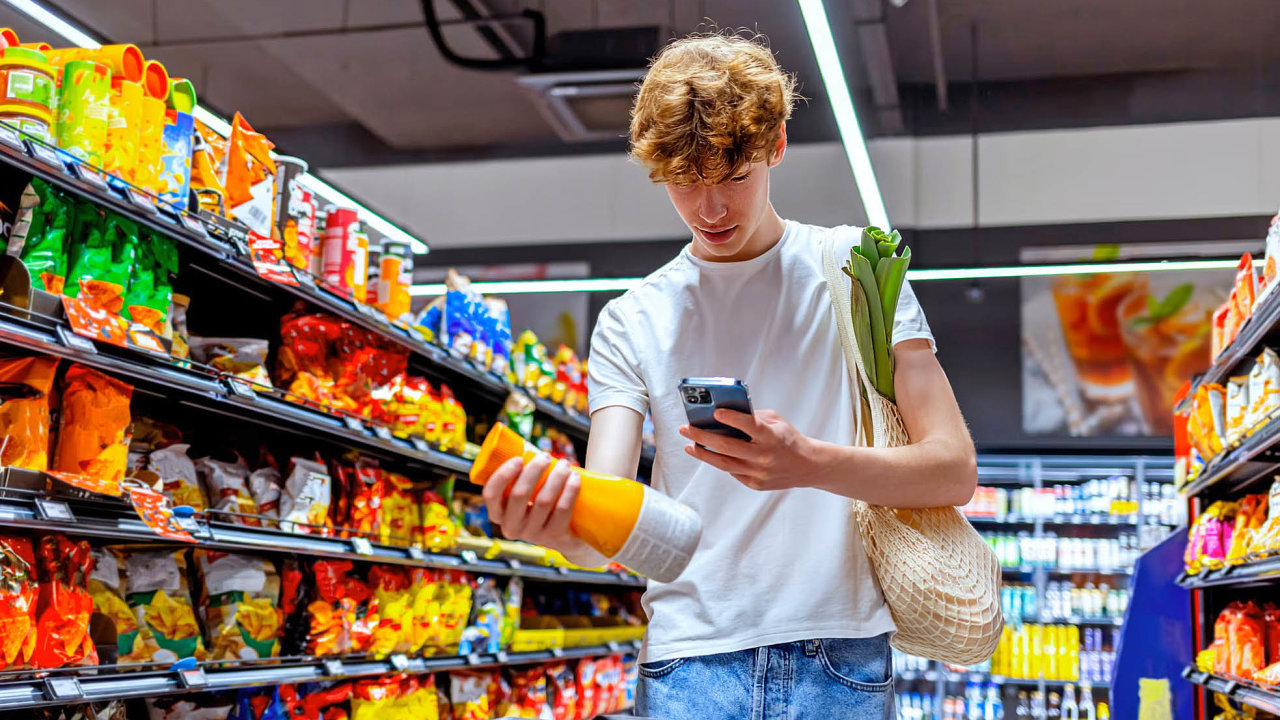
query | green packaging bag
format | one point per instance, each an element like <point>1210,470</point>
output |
<point>103,251</point>
<point>43,232</point>
<point>150,291</point>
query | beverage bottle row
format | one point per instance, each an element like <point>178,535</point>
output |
<point>1064,600</point>
<point>1035,705</point>
<point>1049,550</point>
<point>1097,656</point>
<point>902,662</point>
<point>979,702</point>
<point>1116,495</point>
<point>1032,651</point>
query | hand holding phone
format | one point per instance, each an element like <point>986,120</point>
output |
<point>702,396</point>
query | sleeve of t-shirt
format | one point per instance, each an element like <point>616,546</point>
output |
<point>908,322</point>
<point>613,377</point>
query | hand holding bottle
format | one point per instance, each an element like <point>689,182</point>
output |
<point>535,513</point>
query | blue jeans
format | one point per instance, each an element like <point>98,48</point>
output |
<point>806,680</point>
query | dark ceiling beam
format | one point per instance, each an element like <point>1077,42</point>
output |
<point>873,41</point>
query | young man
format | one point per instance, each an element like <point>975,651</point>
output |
<point>778,614</point>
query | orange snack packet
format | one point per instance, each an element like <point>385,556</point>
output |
<point>248,175</point>
<point>93,435</point>
<point>1246,287</point>
<point>18,590</point>
<point>24,414</point>
<point>1247,632</point>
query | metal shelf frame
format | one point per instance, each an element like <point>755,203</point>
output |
<point>99,684</point>
<point>1238,690</point>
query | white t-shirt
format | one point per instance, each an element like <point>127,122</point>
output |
<point>772,566</point>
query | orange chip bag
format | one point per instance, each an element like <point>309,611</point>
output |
<point>248,175</point>
<point>24,414</point>
<point>93,435</point>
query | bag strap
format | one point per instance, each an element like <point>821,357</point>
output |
<point>839,289</point>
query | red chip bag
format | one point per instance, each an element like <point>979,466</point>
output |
<point>1271,615</point>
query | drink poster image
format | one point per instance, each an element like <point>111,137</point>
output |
<point>1105,353</point>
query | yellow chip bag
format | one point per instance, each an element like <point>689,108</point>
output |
<point>239,603</point>
<point>157,593</point>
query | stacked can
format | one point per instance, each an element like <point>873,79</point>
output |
<point>84,103</point>
<point>395,274</point>
<point>346,250</point>
<point>29,91</point>
<point>295,212</point>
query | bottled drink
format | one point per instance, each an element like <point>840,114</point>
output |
<point>1053,709</point>
<point>1070,711</point>
<point>993,707</point>
<point>1038,709</point>
<point>624,520</point>
<point>1086,706</point>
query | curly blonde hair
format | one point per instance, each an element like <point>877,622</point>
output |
<point>709,105</point>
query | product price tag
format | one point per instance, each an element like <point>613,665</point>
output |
<point>10,137</point>
<point>74,340</point>
<point>502,657</point>
<point>241,246</point>
<point>415,335</point>
<point>193,678</point>
<point>333,667</point>
<point>88,175</point>
<point>382,432</point>
<point>473,659</point>
<point>557,652</point>
<point>613,646</point>
<point>562,570</point>
<point>63,688</point>
<point>417,553</point>
<point>44,154</point>
<point>191,525</point>
<point>304,278</point>
<point>54,510</point>
<point>241,388</point>
<point>192,223</point>
<point>468,557</point>
<point>399,661</point>
<point>353,423</point>
<point>419,444</point>
<point>142,201</point>
<point>361,546</point>
<point>514,564</point>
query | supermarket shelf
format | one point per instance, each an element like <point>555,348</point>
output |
<point>116,522</point>
<point>1031,570</point>
<point>1256,329</point>
<point>1086,519</point>
<point>195,388</point>
<point>1238,690</point>
<point>1253,458</point>
<point>1266,570</point>
<point>1115,622</point>
<point>62,688</point>
<point>224,241</point>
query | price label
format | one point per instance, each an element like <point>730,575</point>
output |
<point>90,177</point>
<point>54,510</point>
<point>241,388</point>
<point>191,525</point>
<point>562,570</point>
<point>382,432</point>
<point>361,546</point>
<point>241,246</point>
<point>44,154</point>
<point>353,423</point>
<point>514,564</point>
<point>333,667</point>
<point>304,278</point>
<point>613,646</point>
<point>419,444</point>
<point>63,688</point>
<point>473,659</point>
<point>417,553</point>
<point>415,335</point>
<point>502,657</point>
<point>75,341</point>
<point>557,652</point>
<point>468,557</point>
<point>193,678</point>
<point>192,223</point>
<point>10,137</point>
<point>144,202</point>
<point>399,661</point>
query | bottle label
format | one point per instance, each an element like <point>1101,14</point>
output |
<point>663,540</point>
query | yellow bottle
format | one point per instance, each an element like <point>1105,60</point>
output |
<point>1073,654</point>
<point>1024,652</point>
<point>1050,663</point>
<point>1000,662</point>
<point>624,520</point>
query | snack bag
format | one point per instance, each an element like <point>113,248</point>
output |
<point>239,604</point>
<point>512,601</point>
<point>18,592</point>
<point>392,588</point>
<point>362,487</point>
<point>484,633</point>
<point>1271,615</point>
<point>450,610</point>
<point>529,695</point>
<point>453,430</point>
<point>1267,537</point>
<point>103,252</point>
<point>227,486</point>
<point>1248,637</point>
<point>41,234</point>
<point>439,531</point>
<point>469,695</point>
<point>1245,290</point>
<point>1237,409</point>
<point>304,505</point>
<point>107,588</point>
<point>64,605</point>
<point>265,489</point>
<point>1264,388</point>
<point>1209,417</point>
<point>433,417</point>
<point>245,358</point>
<point>208,150</point>
<point>24,410</point>
<point>563,689</point>
<point>181,338</point>
<point>1249,519</point>
<point>206,706</point>
<point>399,510</point>
<point>150,290</point>
<point>178,473</point>
<point>248,173</point>
<point>156,590</point>
<point>93,433</point>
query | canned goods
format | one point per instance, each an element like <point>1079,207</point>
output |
<point>295,219</point>
<point>27,81</point>
<point>346,251</point>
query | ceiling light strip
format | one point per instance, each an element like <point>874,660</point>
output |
<point>517,287</point>
<point>79,38</point>
<point>855,145</point>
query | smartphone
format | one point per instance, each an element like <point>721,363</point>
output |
<point>702,396</point>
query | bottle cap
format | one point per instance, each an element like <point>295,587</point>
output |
<point>500,445</point>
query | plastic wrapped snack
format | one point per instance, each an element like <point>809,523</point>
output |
<point>1249,520</point>
<point>1208,419</point>
<point>42,233</point>
<point>64,604</point>
<point>1247,637</point>
<point>106,585</point>
<point>563,690</point>
<point>393,590</point>
<point>227,487</point>
<point>304,504</point>
<point>529,694</point>
<point>1237,409</point>
<point>484,633</point>
<point>399,510</point>
<point>25,384</point>
<point>248,173</point>
<point>178,473</point>
<point>93,433</point>
<point>239,604</point>
<point>103,251</point>
<point>438,529</point>
<point>18,591</point>
<point>469,695</point>
<point>245,358</point>
<point>156,590</point>
<point>190,707</point>
<point>1264,388</point>
<point>149,294</point>
<point>266,491</point>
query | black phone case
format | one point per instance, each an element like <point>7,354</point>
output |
<point>729,397</point>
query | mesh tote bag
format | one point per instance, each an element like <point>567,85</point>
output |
<point>939,577</point>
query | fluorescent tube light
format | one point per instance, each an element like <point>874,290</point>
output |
<point>855,146</point>
<point>517,287</point>
<point>79,38</point>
